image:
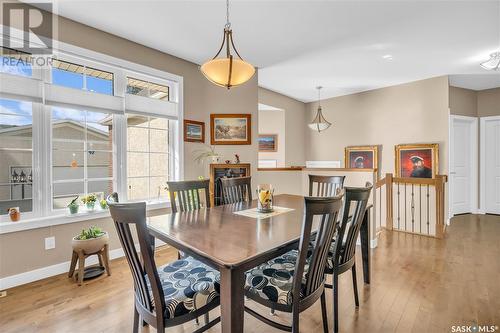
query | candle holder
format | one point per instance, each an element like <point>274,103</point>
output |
<point>265,194</point>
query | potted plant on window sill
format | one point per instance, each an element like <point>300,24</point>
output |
<point>89,201</point>
<point>90,240</point>
<point>73,206</point>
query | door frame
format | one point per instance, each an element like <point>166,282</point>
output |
<point>473,143</point>
<point>482,161</point>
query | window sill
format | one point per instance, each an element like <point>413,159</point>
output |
<point>65,218</point>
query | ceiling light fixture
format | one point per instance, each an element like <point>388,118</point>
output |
<point>387,57</point>
<point>227,71</point>
<point>493,64</point>
<point>319,122</point>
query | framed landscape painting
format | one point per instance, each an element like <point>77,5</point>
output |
<point>361,157</point>
<point>194,131</point>
<point>268,143</point>
<point>417,160</point>
<point>230,129</point>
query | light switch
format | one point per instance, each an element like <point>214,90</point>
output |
<point>50,243</point>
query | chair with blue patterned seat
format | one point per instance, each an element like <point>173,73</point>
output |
<point>295,281</point>
<point>169,295</point>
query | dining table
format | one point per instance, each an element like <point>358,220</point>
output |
<point>233,243</point>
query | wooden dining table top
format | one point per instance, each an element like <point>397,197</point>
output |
<point>228,239</point>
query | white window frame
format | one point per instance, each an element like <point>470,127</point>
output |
<point>43,215</point>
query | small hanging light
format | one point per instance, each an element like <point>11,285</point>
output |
<point>229,71</point>
<point>319,122</point>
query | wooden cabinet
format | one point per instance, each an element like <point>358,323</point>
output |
<point>218,171</point>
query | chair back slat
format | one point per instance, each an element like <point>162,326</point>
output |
<point>326,186</point>
<point>355,203</point>
<point>325,210</point>
<point>125,214</point>
<point>185,195</point>
<point>237,189</point>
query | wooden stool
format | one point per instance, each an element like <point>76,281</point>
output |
<point>80,256</point>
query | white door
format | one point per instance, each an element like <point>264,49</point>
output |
<point>463,143</point>
<point>490,164</point>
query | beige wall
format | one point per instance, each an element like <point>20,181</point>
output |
<point>200,99</point>
<point>415,112</point>
<point>273,122</point>
<point>295,121</point>
<point>463,102</point>
<point>488,102</point>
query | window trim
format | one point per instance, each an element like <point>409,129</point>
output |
<point>42,214</point>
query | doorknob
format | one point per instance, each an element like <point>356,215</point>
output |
<point>453,173</point>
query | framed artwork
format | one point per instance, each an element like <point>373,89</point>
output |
<point>361,157</point>
<point>194,131</point>
<point>417,160</point>
<point>268,143</point>
<point>230,129</point>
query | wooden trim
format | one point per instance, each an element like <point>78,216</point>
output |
<point>435,156</point>
<point>299,168</point>
<point>374,149</point>
<point>194,122</point>
<point>275,143</point>
<point>248,117</point>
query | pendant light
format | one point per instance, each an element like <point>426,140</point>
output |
<point>493,64</point>
<point>227,71</point>
<point>319,122</point>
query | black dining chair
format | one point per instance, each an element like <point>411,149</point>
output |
<point>187,195</point>
<point>341,256</point>
<point>168,295</point>
<point>325,186</point>
<point>236,189</point>
<point>295,280</point>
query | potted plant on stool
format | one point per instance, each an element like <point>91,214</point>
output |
<point>89,242</point>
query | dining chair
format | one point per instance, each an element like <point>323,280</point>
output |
<point>168,295</point>
<point>342,254</point>
<point>112,197</point>
<point>236,189</point>
<point>326,186</point>
<point>186,196</point>
<point>295,280</point>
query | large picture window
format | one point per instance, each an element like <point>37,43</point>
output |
<point>147,157</point>
<point>80,126</point>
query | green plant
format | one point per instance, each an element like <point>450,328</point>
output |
<point>73,202</point>
<point>103,203</point>
<point>202,154</point>
<point>89,199</point>
<point>92,232</point>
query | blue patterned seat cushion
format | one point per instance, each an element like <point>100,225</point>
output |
<point>273,280</point>
<point>188,285</point>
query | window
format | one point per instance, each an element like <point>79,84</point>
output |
<point>16,155</point>
<point>79,126</point>
<point>80,77</point>
<point>147,89</point>
<point>147,157</point>
<point>82,154</point>
<point>15,62</point>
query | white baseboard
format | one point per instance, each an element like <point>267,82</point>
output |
<point>45,272</point>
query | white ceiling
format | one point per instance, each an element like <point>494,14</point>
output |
<point>475,81</point>
<point>299,45</point>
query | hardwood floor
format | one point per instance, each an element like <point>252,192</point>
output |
<point>419,284</point>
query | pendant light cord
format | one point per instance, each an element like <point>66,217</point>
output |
<point>228,24</point>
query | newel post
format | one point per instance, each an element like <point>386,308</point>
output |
<point>388,200</point>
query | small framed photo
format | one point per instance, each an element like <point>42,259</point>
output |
<point>417,160</point>
<point>230,129</point>
<point>361,157</point>
<point>194,131</point>
<point>268,143</point>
